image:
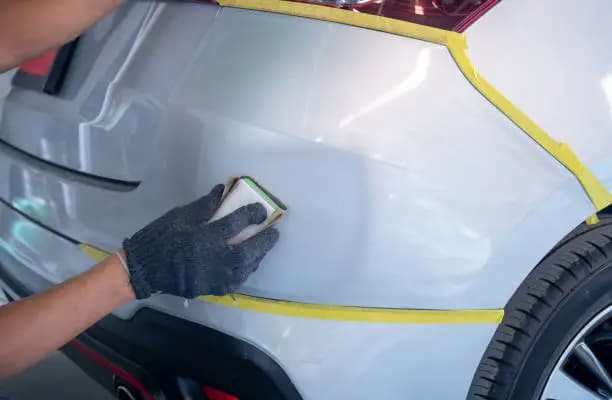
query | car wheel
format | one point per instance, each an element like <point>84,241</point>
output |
<point>555,341</point>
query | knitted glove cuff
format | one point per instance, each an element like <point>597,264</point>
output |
<point>137,256</point>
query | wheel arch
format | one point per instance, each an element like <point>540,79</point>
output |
<point>545,227</point>
<point>547,287</point>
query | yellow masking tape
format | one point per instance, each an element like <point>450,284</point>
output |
<point>332,14</point>
<point>457,46</point>
<point>597,192</point>
<point>456,43</point>
<point>357,314</point>
<point>338,313</point>
<point>93,253</point>
<point>592,220</point>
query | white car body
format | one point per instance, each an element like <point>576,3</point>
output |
<point>406,187</point>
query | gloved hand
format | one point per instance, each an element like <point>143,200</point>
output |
<point>181,254</point>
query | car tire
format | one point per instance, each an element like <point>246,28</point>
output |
<point>570,286</point>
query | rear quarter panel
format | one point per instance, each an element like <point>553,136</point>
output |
<point>405,187</point>
<point>553,60</point>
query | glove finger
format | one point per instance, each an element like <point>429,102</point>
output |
<point>203,208</point>
<point>251,251</point>
<point>254,266</point>
<point>257,262</point>
<point>232,224</point>
<point>241,275</point>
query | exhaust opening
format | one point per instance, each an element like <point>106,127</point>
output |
<point>123,392</point>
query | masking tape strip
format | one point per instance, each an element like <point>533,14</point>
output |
<point>338,313</point>
<point>356,314</point>
<point>597,192</point>
<point>592,220</point>
<point>341,16</point>
<point>93,253</point>
<point>456,44</point>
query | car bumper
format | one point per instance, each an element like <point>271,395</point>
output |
<point>239,350</point>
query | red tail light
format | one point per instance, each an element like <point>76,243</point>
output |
<point>455,15</point>
<point>216,394</point>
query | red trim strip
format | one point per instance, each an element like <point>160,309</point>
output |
<point>121,373</point>
<point>39,66</point>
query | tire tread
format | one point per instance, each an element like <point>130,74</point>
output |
<point>554,278</point>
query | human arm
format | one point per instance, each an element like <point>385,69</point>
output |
<point>180,253</point>
<point>37,325</point>
<point>28,28</point>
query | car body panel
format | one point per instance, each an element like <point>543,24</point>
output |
<point>556,67</point>
<point>406,188</point>
<point>104,121</point>
<point>382,206</point>
<point>393,359</point>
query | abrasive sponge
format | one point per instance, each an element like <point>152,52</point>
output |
<point>242,191</point>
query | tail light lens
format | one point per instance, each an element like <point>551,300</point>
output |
<point>454,15</point>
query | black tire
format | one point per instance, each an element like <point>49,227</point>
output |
<point>568,288</point>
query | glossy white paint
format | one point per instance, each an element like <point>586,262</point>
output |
<point>405,187</point>
<point>553,60</point>
<point>387,361</point>
<point>332,360</point>
<point>85,128</point>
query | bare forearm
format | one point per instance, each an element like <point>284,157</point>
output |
<point>31,328</point>
<point>30,27</point>
<point>181,253</point>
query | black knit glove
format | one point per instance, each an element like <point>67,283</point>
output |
<point>181,254</point>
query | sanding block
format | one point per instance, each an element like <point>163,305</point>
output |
<point>242,191</point>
